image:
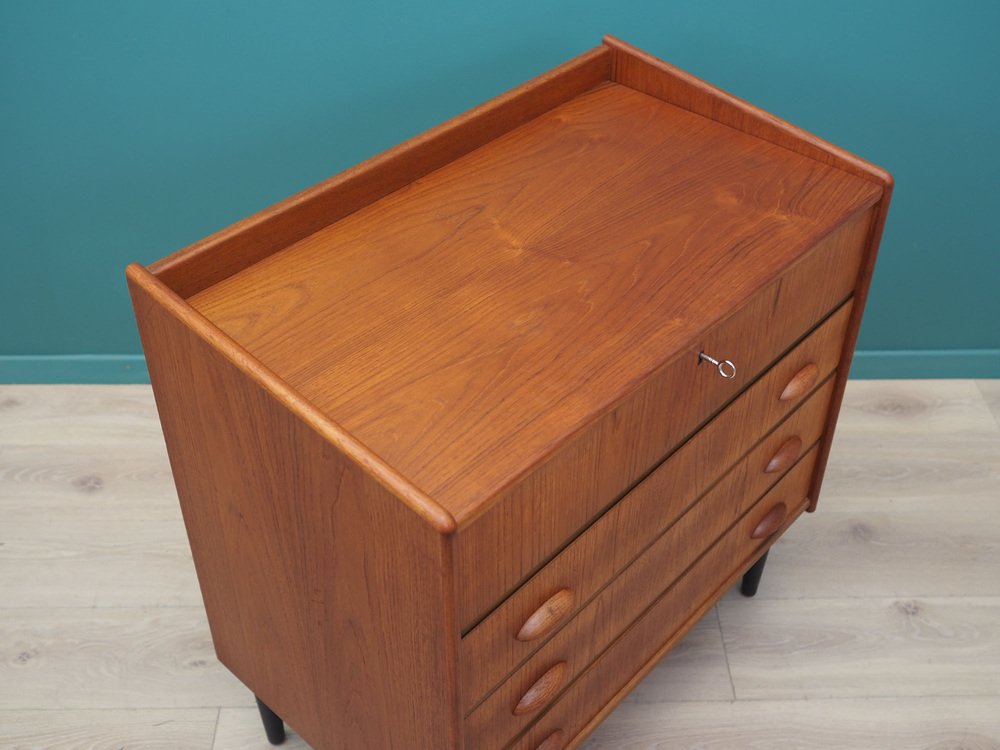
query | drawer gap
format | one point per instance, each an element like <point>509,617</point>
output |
<point>639,480</point>
<point>803,455</point>
<point>645,475</point>
<point>699,612</point>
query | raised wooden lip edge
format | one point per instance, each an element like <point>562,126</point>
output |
<point>782,133</point>
<point>430,509</point>
<point>813,144</point>
<point>837,159</point>
<point>432,512</point>
<point>593,67</point>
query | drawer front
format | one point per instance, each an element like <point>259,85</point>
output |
<point>610,677</point>
<point>533,518</point>
<point>514,630</point>
<point>573,648</point>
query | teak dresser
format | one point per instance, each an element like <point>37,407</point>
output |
<point>467,437</point>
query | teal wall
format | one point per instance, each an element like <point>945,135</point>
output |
<point>130,129</point>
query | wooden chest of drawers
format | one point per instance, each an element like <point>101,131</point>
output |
<point>469,436</point>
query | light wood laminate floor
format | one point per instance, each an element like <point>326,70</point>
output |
<point>877,624</point>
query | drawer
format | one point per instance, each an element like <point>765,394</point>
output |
<point>532,518</point>
<point>493,648</point>
<point>669,618</point>
<point>567,654</point>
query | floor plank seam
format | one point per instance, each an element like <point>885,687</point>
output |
<point>725,651</point>
<point>215,729</point>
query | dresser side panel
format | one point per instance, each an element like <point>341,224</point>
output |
<point>861,287</point>
<point>639,70</point>
<point>326,594</point>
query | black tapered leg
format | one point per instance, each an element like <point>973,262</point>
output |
<point>273,725</point>
<point>751,579</point>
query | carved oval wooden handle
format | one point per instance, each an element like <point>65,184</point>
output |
<point>543,690</point>
<point>770,522</point>
<point>800,383</point>
<point>785,456</point>
<point>544,619</point>
<point>555,741</point>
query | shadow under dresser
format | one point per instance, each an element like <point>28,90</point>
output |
<point>467,437</point>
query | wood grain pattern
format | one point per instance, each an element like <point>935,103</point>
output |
<point>582,706</point>
<point>890,724</point>
<point>91,558</point>
<point>191,729</point>
<point>544,620</point>
<point>919,411</point>
<point>89,658</point>
<point>916,551</point>
<point>911,488</point>
<point>695,669</point>
<point>390,399</point>
<point>92,457</point>
<point>784,456</point>
<point>607,550</point>
<point>555,741</point>
<point>531,520</point>
<point>131,480</point>
<point>384,474</point>
<point>800,383</point>
<point>780,649</point>
<point>936,480</point>
<point>277,516</point>
<point>542,690</point>
<point>919,445</point>
<point>79,416</point>
<point>770,523</point>
<point>626,597</point>
<point>194,268</point>
<point>610,233</point>
<point>861,287</point>
<point>644,72</point>
<point>547,507</point>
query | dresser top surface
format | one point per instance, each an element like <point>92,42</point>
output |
<point>465,326</point>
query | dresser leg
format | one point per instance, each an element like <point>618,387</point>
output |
<point>751,579</point>
<point>274,727</point>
